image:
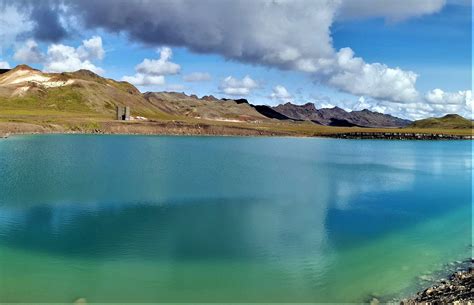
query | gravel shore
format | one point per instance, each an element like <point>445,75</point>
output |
<point>458,289</point>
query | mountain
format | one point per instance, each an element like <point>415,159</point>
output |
<point>339,117</point>
<point>264,110</point>
<point>207,107</point>
<point>86,92</point>
<point>27,91</point>
<point>80,91</point>
<point>449,121</point>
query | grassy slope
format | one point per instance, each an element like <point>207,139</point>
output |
<point>85,120</point>
<point>450,121</point>
<point>78,116</point>
<point>90,105</point>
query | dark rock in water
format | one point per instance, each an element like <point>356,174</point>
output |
<point>374,301</point>
<point>80,301</point>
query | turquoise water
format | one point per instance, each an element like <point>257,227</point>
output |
<point>221,219</point>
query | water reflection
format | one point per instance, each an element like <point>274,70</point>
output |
<point>287,212</point>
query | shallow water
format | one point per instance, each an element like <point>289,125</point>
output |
<point>221,219</point>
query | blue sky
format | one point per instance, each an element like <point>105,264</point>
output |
<point>437,46</point>
<point>433,40</point>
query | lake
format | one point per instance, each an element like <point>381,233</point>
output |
<point>226,219</point>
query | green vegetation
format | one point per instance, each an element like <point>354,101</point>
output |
<point>450,121</point>
<point>87,104</point>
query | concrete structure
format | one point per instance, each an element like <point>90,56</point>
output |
<point>123,113</point>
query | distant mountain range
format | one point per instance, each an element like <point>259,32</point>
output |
<point>339,117</point>
<point>86,92</point>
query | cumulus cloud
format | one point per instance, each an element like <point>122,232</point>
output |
<point>451,102</point>
<point>145,80</point>
<point>4,65</point>
<point>280,41</point>
<point>434,103</point>
<point>161,66</point>
<point>351,74</point>
<point>281,95</point>
<point>153,71</point>
<point>197,77</point>
<point>238,87</point>
<point>92,49</point>
<point>29,53</point>
<point>363,103</point>
<point>63,58</point>
<point>12,23</point>
<point>270,33</point>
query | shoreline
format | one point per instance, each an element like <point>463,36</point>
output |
<point>178,128</point>
<point>345,136</point>
<point>457,288</point>
<point>400,136</point>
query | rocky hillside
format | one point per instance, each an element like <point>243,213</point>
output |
<point>31,91</point>
<point>449,121</point>
<point>207,107</point>
<point>80,91</point>
<point>84,91</point>
<point>339,117</point>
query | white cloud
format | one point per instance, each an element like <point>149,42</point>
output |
<point>145,80</point>
<point>238,87</point>
<point>153,71</point>
<point>438,96</point>
<point>4,65</point>
<point>161,66</point>
<point>197,77</point>
<point>270,33</point>
<point>435,103</point>
<point>327,105</point>
<point>363,103</point>
<point>63,58</point>
<point>451,102</point>
<point>12,23</point>
<point>281,94</point>
<point>91,49</point>
<point>376,80</point>
<point>29,53</point>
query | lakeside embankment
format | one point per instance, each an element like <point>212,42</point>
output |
<point>137,128</point>
<point>211,129</point>
<point>400,136</point>
<point>457,289</point>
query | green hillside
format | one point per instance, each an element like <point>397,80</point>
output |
<point>449,121</point>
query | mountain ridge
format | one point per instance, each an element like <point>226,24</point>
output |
<point>87,92</point>
<point>337,116</point>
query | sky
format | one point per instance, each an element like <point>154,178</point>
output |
<point>407,58</point>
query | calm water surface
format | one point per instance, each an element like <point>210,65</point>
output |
<point>220,219</point>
